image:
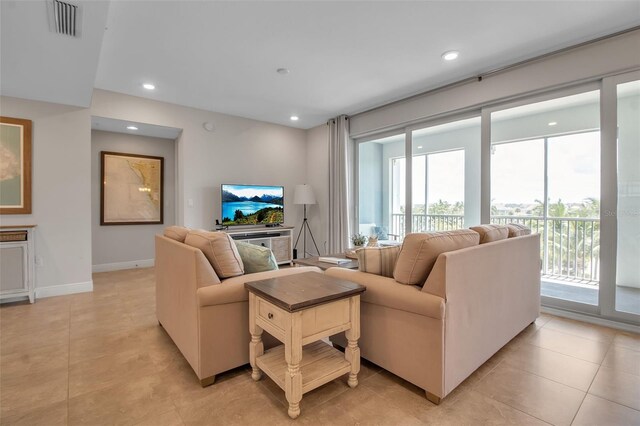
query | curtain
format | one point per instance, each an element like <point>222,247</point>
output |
<point>340,184</point>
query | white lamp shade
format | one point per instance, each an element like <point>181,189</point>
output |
<point>304,195</point>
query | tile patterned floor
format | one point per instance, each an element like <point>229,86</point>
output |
<point>101,358</point>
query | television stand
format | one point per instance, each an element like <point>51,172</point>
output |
<point>277,238</point>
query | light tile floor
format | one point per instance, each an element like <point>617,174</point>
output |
<point>101,358</point>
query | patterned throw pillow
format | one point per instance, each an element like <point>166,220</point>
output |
<point>256,258</point>
<point>378,260</point>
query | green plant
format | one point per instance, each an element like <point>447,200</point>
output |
<point>358,239</point>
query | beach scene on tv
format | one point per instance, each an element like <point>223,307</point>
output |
<point>252,205</point>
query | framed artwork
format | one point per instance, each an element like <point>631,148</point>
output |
<point>15,166</point>
<point>132,189</point>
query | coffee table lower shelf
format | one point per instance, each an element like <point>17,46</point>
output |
<point>320,364</point>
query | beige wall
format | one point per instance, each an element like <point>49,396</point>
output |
<point>612,55</point>
<point>61,204</point>
<point>240,150</point>
<point>128,246</point>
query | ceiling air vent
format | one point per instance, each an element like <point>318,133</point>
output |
<point>65,18</point>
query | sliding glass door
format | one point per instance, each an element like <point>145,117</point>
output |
<point>626,288</point>
<point>565,164</point>
<point>446,176</point>
<point>545,173</point>
<point>381,192</point>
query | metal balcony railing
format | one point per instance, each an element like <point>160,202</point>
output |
<point>427,222</point>
<point>569,246</point>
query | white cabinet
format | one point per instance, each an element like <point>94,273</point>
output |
<point>278,239</point>
<point>17,272</point>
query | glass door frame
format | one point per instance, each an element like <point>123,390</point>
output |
<point>609,196</point>
<point>445,119</point>
<point>355,221</point>
<point>567,305</point>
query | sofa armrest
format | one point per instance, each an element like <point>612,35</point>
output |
<point>387,292</point>
<point>232,290</point>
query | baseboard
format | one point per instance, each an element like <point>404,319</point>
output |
<point>106,267</point>
<point>591,319</point>
<point>64,289</point>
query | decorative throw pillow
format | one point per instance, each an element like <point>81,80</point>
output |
<point>382,232</point>
<point>256,258</point>
<point>491,233</point>
<point>419,252</point>
<point>518,230</point>
<point>178,233</point>
<point>221,251</point>
<point>378,260</point>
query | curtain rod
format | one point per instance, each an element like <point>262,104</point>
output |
<point>495,71</point>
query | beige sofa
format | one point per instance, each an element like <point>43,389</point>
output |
<point>207,319</point>
<point>474,301</point>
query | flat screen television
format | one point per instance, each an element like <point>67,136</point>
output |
<point>252,205</point>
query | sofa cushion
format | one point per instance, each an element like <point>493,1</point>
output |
<point>378,260</point>
<point>518,230</point>
<point>386,292</point>
<point>256,258</point>
<point>491,233</point>
<point>220,249</point>
<point>420,251</point>
<point>178,233</point>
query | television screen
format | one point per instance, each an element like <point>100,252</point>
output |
<point>252,204</point>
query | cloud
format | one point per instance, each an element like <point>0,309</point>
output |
<point>9,164</point>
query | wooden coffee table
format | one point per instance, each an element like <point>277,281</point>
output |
<point>314,261</point>
<point>300,310</point>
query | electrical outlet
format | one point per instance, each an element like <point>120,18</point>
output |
<point>39,261</point>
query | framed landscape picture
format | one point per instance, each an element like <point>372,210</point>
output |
<point>132,189</point>
<point>15,166</point>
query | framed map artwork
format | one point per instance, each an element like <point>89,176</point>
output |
<point>132,189</point>
<point>15,166</point>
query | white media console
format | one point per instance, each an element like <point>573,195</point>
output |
<point>278,239</point>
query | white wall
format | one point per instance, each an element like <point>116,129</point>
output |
<point>61,193</point>
<point>126,246</point>
<point>240,150</point>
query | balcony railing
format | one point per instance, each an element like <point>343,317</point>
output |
<point>427,222</point>
<point>572,248</point>
<point>569,246</point>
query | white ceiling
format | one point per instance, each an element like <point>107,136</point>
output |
<point>344,57</point>
<point>144,129</point>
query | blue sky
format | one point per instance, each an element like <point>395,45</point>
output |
<point>253,190</point>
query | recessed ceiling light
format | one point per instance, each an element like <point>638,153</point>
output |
<point>132,128</point>
<point>419,146</point>
<point>149,86</point>
<point>450,55</point>
<point>283,71</point>
<point>553,123</point>
<point>294,118</point>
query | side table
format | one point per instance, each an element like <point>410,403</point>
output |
<point>300,310</point>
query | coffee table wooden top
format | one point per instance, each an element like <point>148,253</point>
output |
<point>300,291</point>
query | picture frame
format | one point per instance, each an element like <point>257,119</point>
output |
<point>15,158</point>
<point>132,189</point>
